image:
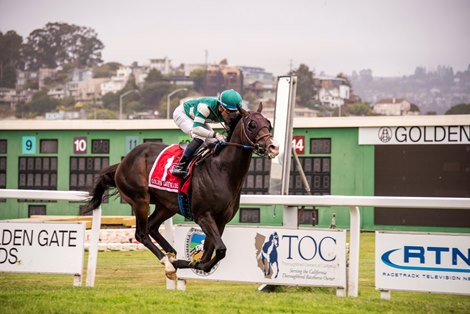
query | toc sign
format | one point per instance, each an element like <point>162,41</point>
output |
<point>41,247</point>
<point>276,256</point>
<point>422,262</point>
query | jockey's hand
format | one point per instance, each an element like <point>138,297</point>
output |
<point>220,137</point>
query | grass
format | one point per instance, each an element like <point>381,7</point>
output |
<point>134,282</point>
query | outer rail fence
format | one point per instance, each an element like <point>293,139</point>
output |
<point>67,196</point>
<point>290,203</point>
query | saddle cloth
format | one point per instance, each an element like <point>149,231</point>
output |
<point>160,176</point>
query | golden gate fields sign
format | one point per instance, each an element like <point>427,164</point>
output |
<point>412,135</point>
<point>42,247</point>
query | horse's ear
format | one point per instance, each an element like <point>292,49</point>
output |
<point>260,106</point>
<point>241,110</point>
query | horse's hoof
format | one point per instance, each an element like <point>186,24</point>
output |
<point>171,275</point>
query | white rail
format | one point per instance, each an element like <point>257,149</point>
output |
<point>67,196</point>
<point>290,216</point>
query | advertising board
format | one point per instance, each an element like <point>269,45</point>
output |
<point>275,256</point>
<point>422,262</point>
<point>42,247</point>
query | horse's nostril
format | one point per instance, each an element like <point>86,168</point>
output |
<point>274,148</point>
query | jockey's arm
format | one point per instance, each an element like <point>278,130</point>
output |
<point>200,117</point>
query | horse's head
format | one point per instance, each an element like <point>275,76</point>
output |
<point>256,132</point>
<point>275,239</point>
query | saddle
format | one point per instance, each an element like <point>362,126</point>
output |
<point>160,177</point>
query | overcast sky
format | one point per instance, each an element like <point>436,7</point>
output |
<point>389,37</point>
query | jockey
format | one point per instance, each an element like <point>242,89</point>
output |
<point>192,118</point>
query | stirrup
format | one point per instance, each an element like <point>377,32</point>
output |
<point>180,171</point>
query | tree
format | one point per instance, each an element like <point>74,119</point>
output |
<point>153,93</point>
<point>110,101</point>
<point>459,109</point>
<point>198,77</point>
<point>305,86</point>
<point>414,108</point>
<point>106,70</point>
<point>154,76</point>
<point>357,109</point>
<point>58,44</point>
<point>40,104</point>
<point>10,58</point>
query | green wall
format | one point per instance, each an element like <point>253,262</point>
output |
<point>352,172</point>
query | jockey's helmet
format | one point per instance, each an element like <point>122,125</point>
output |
<point>230,99</point>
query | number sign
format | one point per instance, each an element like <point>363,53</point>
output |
<point>80,145</point>
<point>28,145</point>
<point>131,142</point>
<point>298,142</point>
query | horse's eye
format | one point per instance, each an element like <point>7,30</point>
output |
<point>251,126</point>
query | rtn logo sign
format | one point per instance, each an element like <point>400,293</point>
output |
<point>434,258</point>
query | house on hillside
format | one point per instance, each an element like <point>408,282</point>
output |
<point>332,91</point>
<point>392,107</point>
<point>162,64</point>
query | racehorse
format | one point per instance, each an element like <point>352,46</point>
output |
<point>269,254</point>
<point>216,186</point>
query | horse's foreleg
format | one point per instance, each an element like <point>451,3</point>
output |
<point>210,229</point>
<point>208,251</point>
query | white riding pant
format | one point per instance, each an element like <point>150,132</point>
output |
<point>185,123</point>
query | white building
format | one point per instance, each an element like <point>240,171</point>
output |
<point>162,65</point>
<point>392,107</point>
<point>117,82</point>
<point>332,91</point>
<point>256,74</point>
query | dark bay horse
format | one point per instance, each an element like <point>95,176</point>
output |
<point>216,186</point>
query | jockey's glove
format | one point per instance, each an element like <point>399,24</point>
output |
<point>220,137</point>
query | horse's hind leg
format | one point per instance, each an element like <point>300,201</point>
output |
<point>155,221</point>
<point>141,210</point>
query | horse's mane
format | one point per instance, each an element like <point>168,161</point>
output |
<point>232,125</point>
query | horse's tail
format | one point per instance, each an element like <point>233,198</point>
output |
<point>104,181</point>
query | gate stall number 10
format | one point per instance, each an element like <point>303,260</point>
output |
<point>80,145</point>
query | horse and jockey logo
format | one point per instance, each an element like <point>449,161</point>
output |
<point>266,254</point>
<point>194,249</point>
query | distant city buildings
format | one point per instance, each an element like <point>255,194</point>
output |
<point>428,91</point>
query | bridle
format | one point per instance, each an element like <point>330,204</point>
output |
<point>250,135</point>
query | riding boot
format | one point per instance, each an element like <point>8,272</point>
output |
<point>180,170</point>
